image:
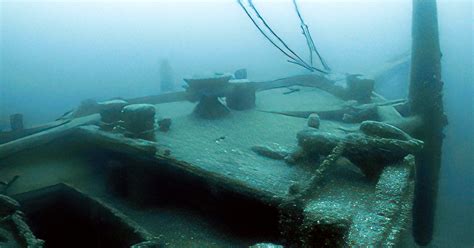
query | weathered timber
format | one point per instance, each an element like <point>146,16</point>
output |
<point>160,156</point>
<point>61,201</point>
<point>318,175</point>
<point>383,130</point>
<point>21,234</point>
<point>310,80</point>
<point>407,124</point>
<point>45,137</point>
<point>344,221</point>
<point>14,232</point>
<point>301,80</point>
<point>116,142</point>
<point>8,205</point>
<point>370,154</point>
<point>273,152</point>
<point>385,222</point>
<point>13,135</point>
<point>426,100</point>
<point>338,114</point>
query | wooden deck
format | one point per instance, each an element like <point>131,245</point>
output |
<point>219,152</point>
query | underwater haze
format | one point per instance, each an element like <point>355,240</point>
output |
<point>56,54</point>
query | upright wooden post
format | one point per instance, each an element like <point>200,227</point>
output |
<point>426,101</point>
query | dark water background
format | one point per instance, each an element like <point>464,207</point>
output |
<point>56,54</point>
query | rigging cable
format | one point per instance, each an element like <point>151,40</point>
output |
<point>274,34</point>
<point>309,39</point>
<point>294,58</point>
<point>261,31</point>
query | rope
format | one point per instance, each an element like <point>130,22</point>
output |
<point>328,162</point>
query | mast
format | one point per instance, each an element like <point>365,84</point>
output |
<point>426,101</point>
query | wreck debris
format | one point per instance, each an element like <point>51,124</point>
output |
<point>8,206</point>
<point>14,232</point>
<point>383,130</point>
<point>110,140</point>
<point>164,124</point>
<point>139,120</point>
<point>13,135</point>
<point>273,151</point>
<point>207,90</point>
<point>391,209</point>
<point>359,114</point>
<point>329,161</point>
<point>407,124</point>
<point>370,154</point>
<point>46,136</point>
<point>352,112</point>
<point>314,121</point>
<point>309,80</point>
<point>320,172</point>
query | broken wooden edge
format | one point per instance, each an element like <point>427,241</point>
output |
<point>33,201</point>
<point>156,155</point>
<point>381,225</point>
<point>45,137</point>
<point>387,220</point>
<point>143,149</point>
<point>309,80</point>
<point>21,231</point>
<point>179,96</point>
<point>161,156</point>
<point>13,135</point>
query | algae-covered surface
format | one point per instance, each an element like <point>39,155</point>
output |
<point>297,98</point>
<point>220,147</point>
<point>175,227</point>
<point>224,145</point>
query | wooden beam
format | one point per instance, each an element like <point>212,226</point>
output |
<point>426,101</point>
<point>45,137</point>
<point>13,135</point>
<point>159,156</point>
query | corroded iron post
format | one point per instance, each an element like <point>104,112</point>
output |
<point>426,101</point>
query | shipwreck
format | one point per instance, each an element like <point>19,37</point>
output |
<point>300,161</point>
